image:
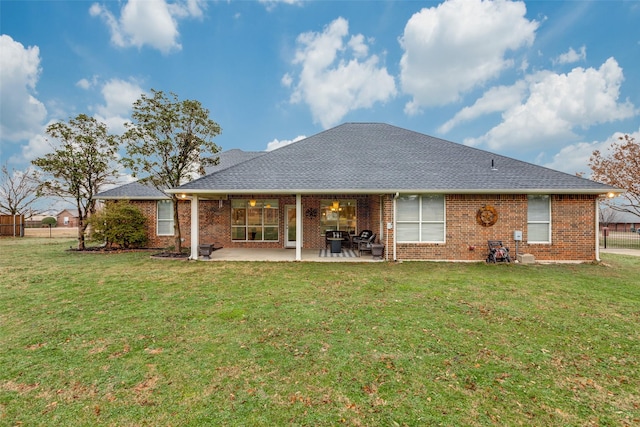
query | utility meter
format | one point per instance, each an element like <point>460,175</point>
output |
<point>517,236</point>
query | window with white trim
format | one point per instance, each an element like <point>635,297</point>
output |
<point>338,215</point>
<point>420,218</point>
<point>539,219</point>
<point>254,219</point>
<point>165,218</point>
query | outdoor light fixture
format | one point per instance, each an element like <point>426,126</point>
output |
<point>252,202</point>
<point>184,196</point>
<point>611,194</point>
<point>336,204</point>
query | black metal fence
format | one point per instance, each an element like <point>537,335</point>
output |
<point>619,239</point>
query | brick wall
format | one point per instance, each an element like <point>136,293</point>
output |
<point>573,231</point>
<point>573,234</point>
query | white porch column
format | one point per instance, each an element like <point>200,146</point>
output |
<point>298,227</point>
<point>195,227</point>
<point>598,229</point>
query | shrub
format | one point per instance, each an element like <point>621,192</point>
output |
<point>120,224</point>
<point>50,221</point>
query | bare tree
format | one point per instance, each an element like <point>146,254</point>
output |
<point>17,191</point>
<point>620,168</point>
<point>608,215</point>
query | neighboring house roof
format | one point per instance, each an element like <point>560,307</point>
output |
<point>145,191</point>
<point>379,158</point>
<point>618,217</point>
<point>73,212</point>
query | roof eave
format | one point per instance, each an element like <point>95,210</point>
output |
<point>212,192</point>
<point>132,197</point>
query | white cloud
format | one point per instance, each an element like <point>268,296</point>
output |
<point>87,84</point>
<point>496,99</point>
<point>119,96</point>
<point>557,104</point>
<point>276,143</point>
<point>457,46</point>
<point>571,56</point>
<point>37,146</point>
<point>287,80</point>
<point>575,158</point>
<point>336,78</point>
<point>83,84</point>
<point>148,22</point>
<point>271,4</point>
<point>22,113</point>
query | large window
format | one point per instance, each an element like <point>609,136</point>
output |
<point>254,219</point>
<point>338,215</point>
<point>420,218</point>
<point>539,219</point>
<point>165,218</point>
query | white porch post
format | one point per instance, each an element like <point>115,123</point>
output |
<point>298,227</point>
<point>597,229</point>
<point>195,227</point>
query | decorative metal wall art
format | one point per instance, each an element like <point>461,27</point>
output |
<point>487,216</point>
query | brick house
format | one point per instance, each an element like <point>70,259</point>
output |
<point>67,218</point>
<point>424,197</point>
<point>616,220</point>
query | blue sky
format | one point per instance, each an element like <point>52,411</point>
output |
<point>546,82</point>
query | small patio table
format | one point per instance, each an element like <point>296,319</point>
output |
<point>336,244</point>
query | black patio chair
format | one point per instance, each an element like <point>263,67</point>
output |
<point>365,245</point>
<point>362,237</point>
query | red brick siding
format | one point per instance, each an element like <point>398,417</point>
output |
<point>572,229</point>
<point>73,220</point>
<point>572,225</point>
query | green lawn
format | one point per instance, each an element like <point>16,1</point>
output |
<point>123,340</point>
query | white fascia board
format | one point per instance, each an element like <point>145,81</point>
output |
<point>212,192</point>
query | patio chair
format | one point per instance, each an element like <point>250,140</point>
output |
<point>365,245</point>
<point>363,236</point>
<point>497,252</point>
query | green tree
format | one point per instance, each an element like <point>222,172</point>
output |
<point>81,164</point>
<point>620,168</point>
<point>169,143</point>
<point>50,221</point>
<point>121,224</point>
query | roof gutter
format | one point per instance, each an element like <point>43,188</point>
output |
<point>131,197</point>
<point>610,192</point>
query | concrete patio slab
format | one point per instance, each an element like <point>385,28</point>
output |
<point>279,255</point>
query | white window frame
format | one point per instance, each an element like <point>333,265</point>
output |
<point>267,207</point>
<point>547,221</point>
<point>420,221</point>
<point>168,221</point>
<point>338,215</point>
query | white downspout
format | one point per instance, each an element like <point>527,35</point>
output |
<point>195,227</point>
<point>298,227</point>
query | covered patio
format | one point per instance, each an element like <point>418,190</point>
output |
<point>284,255</point>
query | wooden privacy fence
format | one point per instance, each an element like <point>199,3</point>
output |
<point>12,225</point>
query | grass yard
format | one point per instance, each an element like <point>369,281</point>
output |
<point>126,340</point>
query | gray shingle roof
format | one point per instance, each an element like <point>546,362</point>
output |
<point>380,158</point>
<point>143,191</point>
